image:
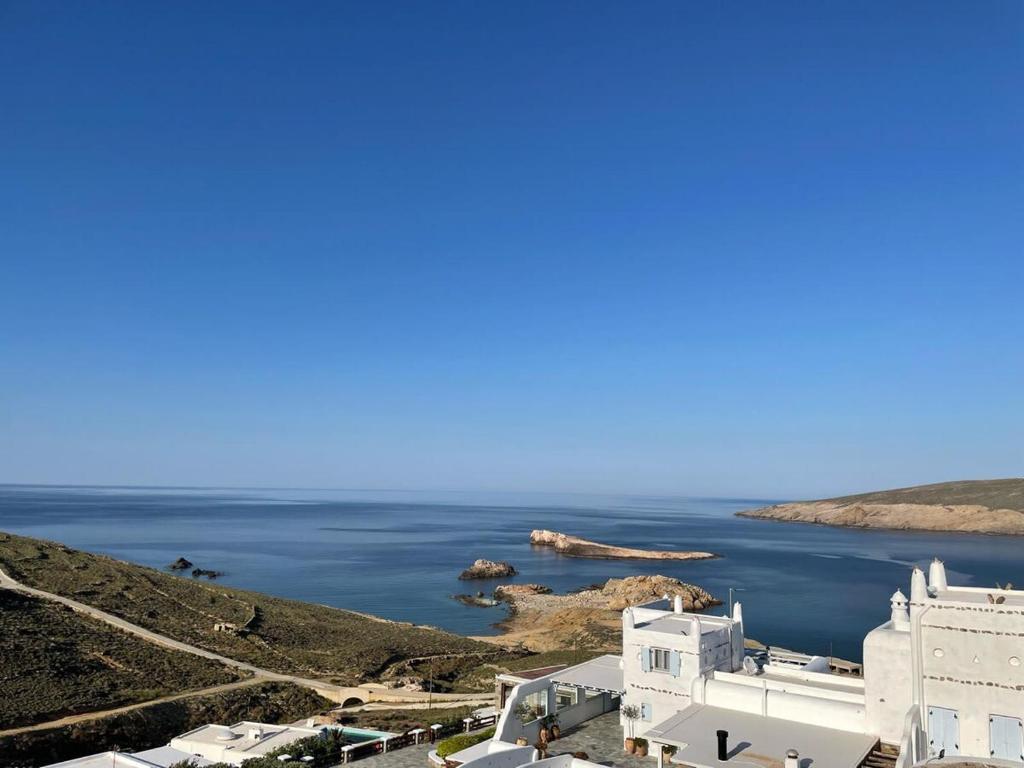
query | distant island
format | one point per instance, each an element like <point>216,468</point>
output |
<point>963,506</point>
<point>573,546</point>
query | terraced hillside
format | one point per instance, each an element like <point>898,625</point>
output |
<point>57,662</point>
<point>285,636</point>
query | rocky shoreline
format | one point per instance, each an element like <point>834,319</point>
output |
<point>953,518</point>
<point>589,618</point>
<point>573,546</point>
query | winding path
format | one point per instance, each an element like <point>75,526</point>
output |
<point>80,718</point>
<point>337,693</point>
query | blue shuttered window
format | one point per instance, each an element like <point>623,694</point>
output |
<point>645,659</point>
<point>645,712</point>
<point>674,664</point>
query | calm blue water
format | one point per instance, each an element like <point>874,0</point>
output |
<point>398,554</point>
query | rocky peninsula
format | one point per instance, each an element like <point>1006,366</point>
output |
<point>573,546</point>
<point>589,618</point>
<point>968,506</point>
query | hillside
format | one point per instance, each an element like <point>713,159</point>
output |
<point>58,662</point>
<point>963,506</point>
<point>156,724</point>
<point>286,636</point>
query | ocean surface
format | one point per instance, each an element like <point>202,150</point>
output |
<point>398,554</point>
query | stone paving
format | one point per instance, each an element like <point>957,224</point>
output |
<point>601,738</point>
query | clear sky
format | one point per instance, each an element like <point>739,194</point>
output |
<point>714,248</point>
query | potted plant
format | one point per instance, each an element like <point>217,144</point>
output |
<point>632,713</point>
<point>667,750</point>
<point>522,741</point>
<point>543,734</point>
<point>641,747</point>
<point>556,731</point>
<point>542,749</point>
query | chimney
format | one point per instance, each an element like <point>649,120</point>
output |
<point>937,575</point>
<point>723,746</point>
<point>677,604</point>
<point>918,586</point>
<point>737,613</point>
<point>792,759</point>
<point>900,617</point>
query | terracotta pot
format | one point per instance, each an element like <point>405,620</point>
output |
<point>556,732</point>
<point>630,745</point>
<point>522,741</point>
<point>543,735</point>
<point>641,751</point>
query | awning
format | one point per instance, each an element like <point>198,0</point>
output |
<point>603,674</point>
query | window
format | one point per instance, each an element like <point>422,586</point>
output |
<point>659,659</point>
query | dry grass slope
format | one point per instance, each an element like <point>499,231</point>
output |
<point>155,725</point>
<point>994,494</point>
<point>287,636</point>
<point>57,662</point>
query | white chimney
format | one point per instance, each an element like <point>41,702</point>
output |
<point>677,604</point>
<point>937,575</point>
<point>900,617</point>
<point>792,759</point>
<point>918,586</point>
<point>737,613</point>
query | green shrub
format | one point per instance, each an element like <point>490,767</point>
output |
<point>454,744</point>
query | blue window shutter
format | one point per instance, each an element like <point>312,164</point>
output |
<point>645,659</point>
<point>645,712</point>
<point>673,663</point>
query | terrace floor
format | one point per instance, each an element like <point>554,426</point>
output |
<point>601,738</point>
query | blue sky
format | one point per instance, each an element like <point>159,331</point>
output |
<point>757,249</point>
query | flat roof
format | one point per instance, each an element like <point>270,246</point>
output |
<point>235,738</point>
<point>167,756</point>
<point>530,674</point>
<point>979,596</point>
<point>756,740</point>
<point>601,674</point>
<point>680,623</point>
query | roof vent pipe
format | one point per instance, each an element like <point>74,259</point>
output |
<point>792,759</point>
<point>723,745</point>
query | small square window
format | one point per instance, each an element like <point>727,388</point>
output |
<point>659,659</point>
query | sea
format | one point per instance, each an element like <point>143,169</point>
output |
<point>398,554</point>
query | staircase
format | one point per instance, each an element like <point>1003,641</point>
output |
<point>882,756</point>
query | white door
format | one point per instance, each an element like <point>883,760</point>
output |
<point>1006,737</point>
<point>943,732</point>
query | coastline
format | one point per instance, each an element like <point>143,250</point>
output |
<point>912,518</point>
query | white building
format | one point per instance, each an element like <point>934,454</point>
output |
<point>160,757</point>
<point>942,678</point>
<point>239,742</point>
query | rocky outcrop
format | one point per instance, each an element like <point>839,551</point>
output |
<point>634,590</point>
<point>959,518</point>
<point>588,618</point>
<point>574,546</point>
<point>509,591</point>
<point>488,569</point>
<point>181,564</point>
<point>197,572</point>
